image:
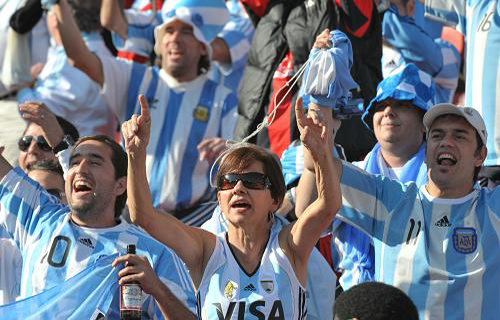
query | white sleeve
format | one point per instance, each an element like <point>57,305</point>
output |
<point>117,74</point>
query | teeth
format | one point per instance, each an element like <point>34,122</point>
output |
<point>82,184</point>
<point>446,156</point>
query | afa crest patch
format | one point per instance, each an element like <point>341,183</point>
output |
<point>267,285</point>
<point>201,113</point>
<point>465,240</point>
<point>230,290</point>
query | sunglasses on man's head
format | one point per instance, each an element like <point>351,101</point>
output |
<point>25,142</point>
<point>251,180</point>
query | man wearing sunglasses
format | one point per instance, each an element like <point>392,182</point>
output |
<point>43,125</point>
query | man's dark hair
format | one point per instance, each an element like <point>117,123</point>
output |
<point>374,301</point>
<point>479,146</point>
<point>86,14</point>
<point>120,163</point>
<point>47,165</point>
<point>203,64</point>
<point>68,128</point>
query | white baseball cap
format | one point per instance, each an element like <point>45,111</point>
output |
<point>470,114</point>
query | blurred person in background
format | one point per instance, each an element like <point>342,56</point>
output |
<point>193,116</point>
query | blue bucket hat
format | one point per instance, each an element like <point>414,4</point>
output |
<point>407,82</point>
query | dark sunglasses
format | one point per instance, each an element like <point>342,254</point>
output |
<point>251,180</point>
<point>25,142</point>
<point>56,192</point>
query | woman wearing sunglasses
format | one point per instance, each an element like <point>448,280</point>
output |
<point>255,269</point>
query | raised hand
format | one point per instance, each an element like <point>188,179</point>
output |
<point>211,148</point>
<point>323,40</point>
<point>313,129</point>
<point>39,113</point>
<point>136,130</point>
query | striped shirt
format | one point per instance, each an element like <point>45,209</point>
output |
<point>271,292</point>
<point>182,114</point>
<point>55,249</point>
<point>478,21</point>
<point>443,253</point>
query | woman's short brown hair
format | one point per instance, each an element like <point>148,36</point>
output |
<point>242,157</point>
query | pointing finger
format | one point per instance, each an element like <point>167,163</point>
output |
<point>299,111</point>
<point>145,114</point>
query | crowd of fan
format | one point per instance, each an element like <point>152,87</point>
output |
<point>151,100</point>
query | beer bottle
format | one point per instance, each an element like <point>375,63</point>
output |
<point>130,297</point>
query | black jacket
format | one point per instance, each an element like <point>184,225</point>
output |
<point>293,25</point>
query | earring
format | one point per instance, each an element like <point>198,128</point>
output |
<point>271,217</point>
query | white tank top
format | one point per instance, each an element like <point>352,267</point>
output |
<point>272,292</point>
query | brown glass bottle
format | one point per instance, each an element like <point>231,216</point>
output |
<point>130,297</point>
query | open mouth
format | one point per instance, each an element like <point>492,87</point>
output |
<point>240,205</point>
<point>82,187</point>
<point>446,159</point>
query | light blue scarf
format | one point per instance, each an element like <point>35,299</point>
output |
<point>414,169</point>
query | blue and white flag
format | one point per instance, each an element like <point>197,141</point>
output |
<point>87,295</point>
<point>327,78</point>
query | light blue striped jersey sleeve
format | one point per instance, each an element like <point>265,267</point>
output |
<point>369,200</point>
<point>23,204</point>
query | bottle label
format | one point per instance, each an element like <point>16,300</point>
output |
<point>131,297</point>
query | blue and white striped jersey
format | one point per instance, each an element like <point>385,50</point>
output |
<point>479,21</point>
<point>182,114</point>
<point>55,249</point>
<point>407,42</point>
<point>237,34</point>
<point>443,253</point>
<point>271,292</point>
